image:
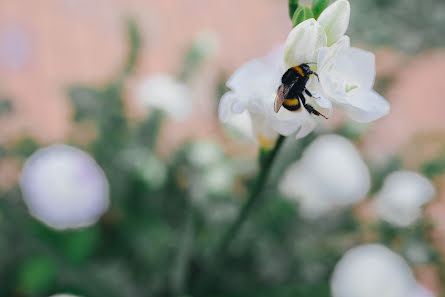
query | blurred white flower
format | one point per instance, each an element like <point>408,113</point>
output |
<point>347,76</point>
<point>330,175</point>
<point>204,153</point>
<point>64,295</point>
<point>421,291</point>
<point>253,90</point>
<point>218,179</point>
<point>372,270</point>
<point>64,188</point>
<point>308,37</point>
<point>402,196</point>
<point>166,93</point>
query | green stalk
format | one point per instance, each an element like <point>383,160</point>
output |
<point>266,162</point>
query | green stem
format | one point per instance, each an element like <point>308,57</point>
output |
<point>266,164</point>
<point>179,273</point>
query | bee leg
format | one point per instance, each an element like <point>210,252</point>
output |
<point>310,95</point>
<point>312,110</point>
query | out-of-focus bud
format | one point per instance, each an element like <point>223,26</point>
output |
<point>402,196</point>
<point>64,187</point>
<point>164,92</point>
<point>372,270</point>
<point>330,175</point>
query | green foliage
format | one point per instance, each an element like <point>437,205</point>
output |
<point>301,14</point>
<point>293,5</point>
<point>408,25</point>
<point>36,275</point>
<point>318,6</point>
<point>168,216</point>
<point>5,106</point>
<point>434,168</point>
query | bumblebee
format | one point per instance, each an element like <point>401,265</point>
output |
<point>293,85</point>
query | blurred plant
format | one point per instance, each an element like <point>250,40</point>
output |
<point>402,196</point>
<point>397,27</point>
<point>189,225</point>
<point>331,175</point>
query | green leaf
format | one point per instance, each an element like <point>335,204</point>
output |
<point>301,14</point>
<point>5,106</point>
<point>318,6</point>
<point>434,168</point>
<point>37,275</point>
<point>135,43</point>
<point>293,5</point>
<point>78,245</point>
<point>86,102</point>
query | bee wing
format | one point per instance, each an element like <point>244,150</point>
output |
<point>279,99</point>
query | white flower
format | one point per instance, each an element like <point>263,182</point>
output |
<point>308,37</point>
<point>64,295</point>
<point>402,196</point>
<point>303,43</point>
<point>253,91</point>
<point>330,175</point>
<point>347,76</point>
<point>204,153</point>
<point>64,187</point>
<point>421,291</point>
<point>372,270</point>
<point>335,20</point>
<point>164,92</point>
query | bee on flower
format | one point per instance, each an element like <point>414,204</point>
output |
<point>315,48</point>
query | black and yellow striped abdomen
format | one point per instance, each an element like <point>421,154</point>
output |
<point>292,104</point>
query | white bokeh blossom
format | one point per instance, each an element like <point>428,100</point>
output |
<point>371,270</point>
<point>166,93</point>
<point>330,175</point>
<point>402,196</point>
<point>64,187</point>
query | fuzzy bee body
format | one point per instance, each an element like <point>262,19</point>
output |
<point>290,93</point>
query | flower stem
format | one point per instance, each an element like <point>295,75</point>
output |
<point>266,161</point>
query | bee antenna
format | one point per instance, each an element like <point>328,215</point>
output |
<point>316,74</point>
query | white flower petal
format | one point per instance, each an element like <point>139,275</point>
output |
<point>255,78</point>
<point>366,107</point>
<point>372,270</point>
<point>303,43</point>
<point>356,66</point>
<point>402,196</point>
<point>335,20</point>
<point>225,106</point>
<point>242,124</point>
<point>287,122</point>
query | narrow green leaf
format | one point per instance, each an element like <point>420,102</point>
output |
<point>293,5</point>
<point>318,6</point>
<point>301,14</point>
